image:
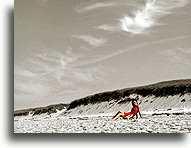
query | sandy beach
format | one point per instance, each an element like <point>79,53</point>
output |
<point>104,124</point>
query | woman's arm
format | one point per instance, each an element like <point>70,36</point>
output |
<point>140,112</point>
<point>136,116</point>
<point>139,102</point>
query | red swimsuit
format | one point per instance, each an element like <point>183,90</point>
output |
<point>134,111</point>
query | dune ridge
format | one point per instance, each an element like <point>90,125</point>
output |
<point>172,95</point>
<point>40,110</point>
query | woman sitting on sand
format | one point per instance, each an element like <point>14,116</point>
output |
<point>134,111</point>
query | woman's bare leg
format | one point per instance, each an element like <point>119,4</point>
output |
<point>119,114</point>
<point>116,114</point>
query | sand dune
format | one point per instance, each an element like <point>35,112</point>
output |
<point>172,96</point>
<point>150,105</point>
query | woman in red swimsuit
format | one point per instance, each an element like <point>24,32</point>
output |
<point>134,111</point>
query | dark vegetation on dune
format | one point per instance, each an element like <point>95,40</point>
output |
<point>161,89</point>
<point>40,110</point>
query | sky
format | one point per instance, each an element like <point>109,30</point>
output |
<point>69,49</point>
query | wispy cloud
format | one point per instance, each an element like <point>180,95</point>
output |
<point>28,83</point>
<point>97,5</point>
<point>53,73</point>
<point>32,88</point>
<point>107,27</point>
<point>23,72</point>
<point>93,41</point>
<point>134,47</point>
<point>144,17</point>
<point>51,61</point>
<point>42,75</point>
<point>148,15</point>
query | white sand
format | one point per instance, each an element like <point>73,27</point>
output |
<point>103,124</point>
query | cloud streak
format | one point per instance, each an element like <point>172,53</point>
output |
<point>98,5</point>
<point>148,15</point>
<point>93,41</point>
<point>107,27</point>
<point>28,83</point>
<point>144,17</point>
<point>52,73</point>
<point>103,58</point>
